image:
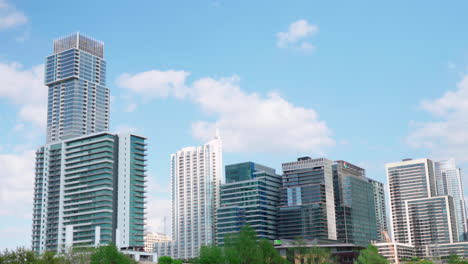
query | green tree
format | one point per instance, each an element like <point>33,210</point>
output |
<point>210,255</point>
<point>455,259</point>
<point>298,252</point>
<point>110,255</point>
<point>269,254</point>
<point>419,261</point>
<point>49,257</point>
<point>18,256</point>
<point>165,260</point>
<point>370,255</point>
<point>243,248</point>
<point>78,255</point>
<point>317,255</point>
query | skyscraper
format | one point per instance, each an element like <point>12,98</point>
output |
<point>89,191</point>
<point>419,216</point>
<point>408,180</point>
<point>307,206</point>
<point>196,174</point>
<point>380,208</point>
<point>355,208</point>
<point>250,196</point>
<point>89,184</point>
<point>449,182</point>
<point>78,101</point>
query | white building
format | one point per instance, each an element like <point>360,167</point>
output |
<point>423,210</point>
<point>449,182</point>
<point>152,238</point>
<point>196,174</point>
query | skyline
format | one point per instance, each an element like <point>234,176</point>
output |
<point>240,77</point>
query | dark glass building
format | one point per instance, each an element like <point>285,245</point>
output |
<point>354,201</point>
<point>250,196</point>
<point>307,208</point>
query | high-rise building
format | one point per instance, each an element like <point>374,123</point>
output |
<point>430,221</point>
<point>380,208</point>
<point>250,196</point>
<point>78,101</point>
<point>420,215</point>
<point>408,180</point>
<point>355,208</point>
<point>89,184</point>
<point>154,238</point>
<point>449,182</point>
<point>89,191</point>
<point>307,207</point>
<point>196,174</point>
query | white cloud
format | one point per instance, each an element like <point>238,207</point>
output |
<point>10,17</point>
<point>447,135</point>
<point>156,83</point>
<point>25,88</point>
<point>250,121</point>
<point>17,184</point>
<point>295,36</point>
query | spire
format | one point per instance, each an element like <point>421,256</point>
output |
<point>217,134</point>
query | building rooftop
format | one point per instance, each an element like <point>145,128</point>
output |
<point>81,42</point>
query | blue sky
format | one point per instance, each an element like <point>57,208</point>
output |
<point>368,82</point>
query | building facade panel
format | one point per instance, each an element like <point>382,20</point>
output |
<point>250,196</point>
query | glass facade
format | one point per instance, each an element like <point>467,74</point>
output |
<point>449,182</point>
<point>430,221</point>
<point>249,197</point>
<point>78,101</point>
<point>307,208</point>
<point>355,207</point>
<point>380,208</point>
<point>77,192</point>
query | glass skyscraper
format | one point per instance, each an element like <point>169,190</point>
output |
<point>449,182</point>
<point>250,196</point>
<point>78,101</point>
<point>90,185</point>
<point>380,208</point>
<point>89,191</point>
<point>355,207</point>
<point>307,207</point>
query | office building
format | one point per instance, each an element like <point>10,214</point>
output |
<point>422,214</point>
<point>307,207</point>
<point>89,184</point>
<point>355,208</point>
<point>152,238</point>
<point>78,101</point>
<point>89,191</point>
<point>449,182</point>
<point>407,180</point>
<point>380,208</point>
<point>430,221</point>
<point>250,196</point>
<point>196,174</point>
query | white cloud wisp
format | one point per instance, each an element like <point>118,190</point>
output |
<point>247,121</point>
<point>25,88</point>
<point>447,135</point>
<point>10,17</point>
<point>296,36</point>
